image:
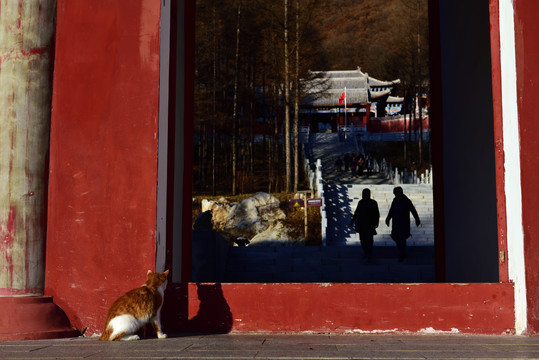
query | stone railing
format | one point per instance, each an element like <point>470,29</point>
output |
<point>402,177</point>
<point>314,176</point>
<point>320,194</point>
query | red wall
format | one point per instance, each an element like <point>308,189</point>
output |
<point>102,209</point>
<point>342,308</point>
<point>394,125</point>
<point>103,162</point>
<point>527,58</point>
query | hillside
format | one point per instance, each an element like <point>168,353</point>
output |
<point>386,38</point>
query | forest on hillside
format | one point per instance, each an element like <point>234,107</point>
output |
<point>247,50</point>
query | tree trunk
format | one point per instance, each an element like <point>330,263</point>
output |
<point>235,111</point>
<point>286,132</point>
<point>296,106</point>
<point>214,91</point>
<point>252,122</point>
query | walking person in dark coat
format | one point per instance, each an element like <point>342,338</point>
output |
<point>400,210</point>
<point>353,166</point>
<point>365,221</point>
<point>338,164</point>
<point>346,162</point>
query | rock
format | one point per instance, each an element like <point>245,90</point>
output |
<point>257,217</point>
<point>219,210</point>
<point>254,214</point>
<point>276,234</point>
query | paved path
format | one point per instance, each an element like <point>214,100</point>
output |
<point>286,346</point>
<point>327,148</point>
<point>328,264</point>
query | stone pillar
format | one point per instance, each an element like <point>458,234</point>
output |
<point>26,31</point>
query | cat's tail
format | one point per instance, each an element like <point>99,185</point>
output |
<point>105,336</point>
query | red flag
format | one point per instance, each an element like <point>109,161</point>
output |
<point>343,96</point>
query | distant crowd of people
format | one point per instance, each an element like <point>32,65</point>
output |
<point>357,165</point>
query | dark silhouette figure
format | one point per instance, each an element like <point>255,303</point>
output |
<point>346,162</point>
<point>360,165</point>
<point>353,166</point>
<point>214,314</point>
<point>338,164</point>
<point>365,221</point>
<point>400,210</point>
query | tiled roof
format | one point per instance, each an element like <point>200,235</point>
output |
<point>329,90</point>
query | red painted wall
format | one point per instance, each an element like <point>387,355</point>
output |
<point>498,138</point>
<point>394,125</point>
<point>527,58</point>
<point>342,308</point>
<point>103,155</point>
<point>101,229</point>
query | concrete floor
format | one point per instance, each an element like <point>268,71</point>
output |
<point>283,346</point>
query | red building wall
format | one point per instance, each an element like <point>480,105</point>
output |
<point>395,124</point>
<point>103,155</point>
<point>527,58</point>
<point>350,308</point>
<point>102,209</point>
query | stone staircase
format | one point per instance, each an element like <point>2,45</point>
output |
<point>341,202</point>
<point>327,148</point>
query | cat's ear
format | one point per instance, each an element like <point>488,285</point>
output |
<point>166,272</point>
<point>149,272</point>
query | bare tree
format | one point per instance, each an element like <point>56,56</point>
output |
<point>286,132</point>
<point>214,96</point>
<point>235,111</point>
<point>296,105</point>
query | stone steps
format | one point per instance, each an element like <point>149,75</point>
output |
<point>341,202</point>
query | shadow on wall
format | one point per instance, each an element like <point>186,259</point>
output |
<point>174,313</point>
<point>214,314</point>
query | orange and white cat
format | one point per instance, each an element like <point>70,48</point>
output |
<point>140,306</point>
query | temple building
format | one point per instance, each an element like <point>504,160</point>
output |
<point>348,99</point>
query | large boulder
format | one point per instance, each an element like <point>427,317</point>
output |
<point>219,209</point>
<point>277,234</point>
<point>257,218</point>
<point>254,214</point>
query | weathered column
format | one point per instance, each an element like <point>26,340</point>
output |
<point>26,32</point>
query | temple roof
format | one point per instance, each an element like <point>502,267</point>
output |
<point>328,90</point>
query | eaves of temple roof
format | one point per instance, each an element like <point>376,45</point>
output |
<point>357,84</point>
<point>395,99</point>
<point>379,94</point>
<point>376,82</point>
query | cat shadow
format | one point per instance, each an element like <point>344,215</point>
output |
<point>214,316</point>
